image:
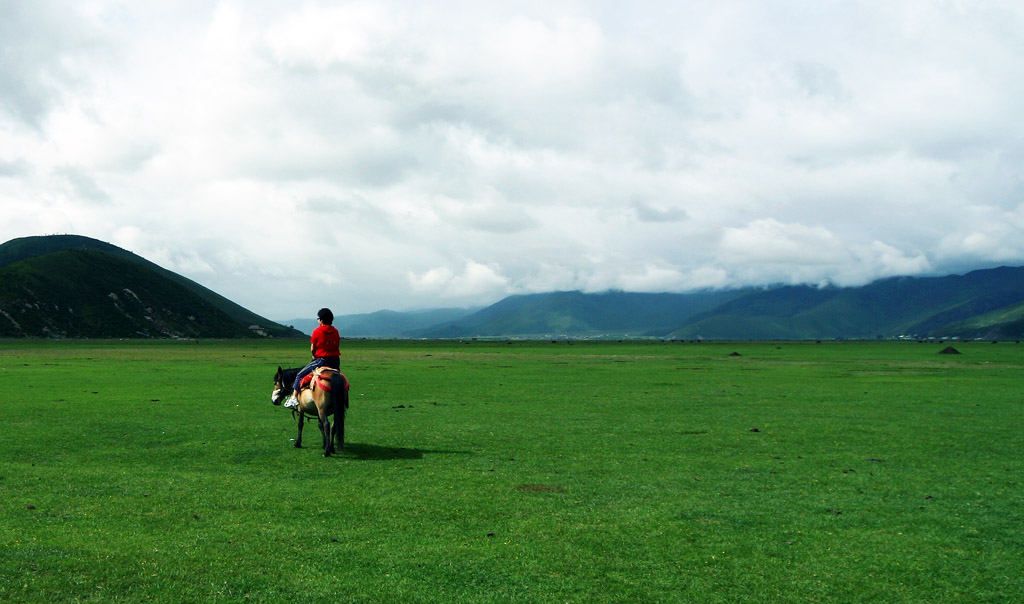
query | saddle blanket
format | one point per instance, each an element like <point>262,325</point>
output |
<point>322,381</point>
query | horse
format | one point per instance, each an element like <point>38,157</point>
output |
<point>326,395</point>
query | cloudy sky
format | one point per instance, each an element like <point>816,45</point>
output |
<point>400,155</point>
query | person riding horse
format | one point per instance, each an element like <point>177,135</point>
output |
<point>324,345</point>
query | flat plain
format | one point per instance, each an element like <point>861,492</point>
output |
<point>139,471</point>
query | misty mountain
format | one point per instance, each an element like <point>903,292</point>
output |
<point>918,306</point>
<point>981,304</point>
<point>577,313</point>
<point>71,286</point>
<point>386,323</point>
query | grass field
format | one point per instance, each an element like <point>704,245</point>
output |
<point>515,472</point>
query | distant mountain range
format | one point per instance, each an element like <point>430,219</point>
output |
<point>73,287</point>
<point>985,304</point>
<point>68,286</point>
<point>386,323</point>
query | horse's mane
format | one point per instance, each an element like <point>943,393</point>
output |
<point>288,375</point>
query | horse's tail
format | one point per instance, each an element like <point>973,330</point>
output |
<point>339,403</point>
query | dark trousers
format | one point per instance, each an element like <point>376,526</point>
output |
<point>332,362</point>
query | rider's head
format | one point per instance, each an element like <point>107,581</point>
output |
<point>326,316</point>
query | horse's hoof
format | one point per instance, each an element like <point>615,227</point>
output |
<point>298,446</point>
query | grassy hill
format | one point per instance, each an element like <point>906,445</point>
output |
<point>1003,323</point>
<point>72,286</point>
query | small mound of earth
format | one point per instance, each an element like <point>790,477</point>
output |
<point>734,354</point>
<point>949,350</point>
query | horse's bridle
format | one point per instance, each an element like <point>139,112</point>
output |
<point>279,394</point>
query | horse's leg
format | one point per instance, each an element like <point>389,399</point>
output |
<point>325,432</point>
<point>298,439</point>
<point>340,403</point>
<point>320,399</point>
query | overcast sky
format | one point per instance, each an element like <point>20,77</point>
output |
<point>400,155</point>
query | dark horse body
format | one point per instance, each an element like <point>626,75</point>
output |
<point>326,395</point>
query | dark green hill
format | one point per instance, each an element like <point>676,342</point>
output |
<point>71,286</point>
<point>1005,323</point>
<point>918,306</point>
<point>981,304</point>
<point>575,313</point>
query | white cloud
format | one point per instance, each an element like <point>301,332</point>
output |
<point>768,241</point>
<point>80,185</point>
<point>474,280</point>
<point>653,278</point>
<point>877,260</point>
<point>986,235</point>
<point>319,37</point>
<point>452,153</point>
<point>648,212</point>
<point>17,167</point>
<point>706,277</point>
<point>491,215</point>
<point>767,251</point>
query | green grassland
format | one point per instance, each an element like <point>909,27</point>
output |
<point>515,472</point>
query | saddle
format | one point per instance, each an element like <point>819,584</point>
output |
<point>321,378</point>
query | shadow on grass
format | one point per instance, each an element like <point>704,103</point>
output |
<point>379,453</point>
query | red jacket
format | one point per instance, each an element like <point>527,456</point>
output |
<point>325,341</point>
